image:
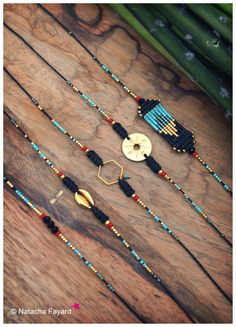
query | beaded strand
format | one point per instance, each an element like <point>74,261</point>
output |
<point>127,189</point>
<point>55,230</point>
<point>108,223</point>
<point>105,220</point>
<point>149,160</point>
<point>166,126</point>
<point>194,205</point>
<point>210,170</point>
<point>156,168</point>
<point>95,58</point>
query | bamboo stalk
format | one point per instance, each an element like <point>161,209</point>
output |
<point>210,83</point>
<point>225,7</point>
<point>215,18</point>
<point>206,40</point>
<point>186,39</point>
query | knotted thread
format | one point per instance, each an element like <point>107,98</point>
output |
<point>70,184</point>
<point>152,164</point>
<point>126,188</point>
<point>94,157</point>
<point>99,214</point>
<point>120,130</point>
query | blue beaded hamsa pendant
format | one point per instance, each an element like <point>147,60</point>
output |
<point>153,112</point>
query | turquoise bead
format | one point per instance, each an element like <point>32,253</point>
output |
<point>177,186</point>
<point>85,96</point>
<point>126,176</point>
<point>198,209</point>
<point>164,226</point>
<point>156,218</point>
<point>36,148</point>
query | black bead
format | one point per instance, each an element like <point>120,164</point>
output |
<point>51,224</point>
<point>54,229</point>
<point>46,219</point>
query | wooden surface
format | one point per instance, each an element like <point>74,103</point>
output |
<point>40,272</point>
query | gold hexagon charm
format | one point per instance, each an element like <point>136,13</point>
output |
<point>113,181</point>
<point>136,146</point>
<point>83,198</point>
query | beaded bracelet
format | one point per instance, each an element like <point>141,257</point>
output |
<point>132,141</point>
<point>47,220</point>
<point>83,198</point>
<point>97,160</point>
<point>153,113</point>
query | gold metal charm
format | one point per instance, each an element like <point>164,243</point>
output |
<point>83,198</point>
<point>103,178</point>
<point>137,145</point>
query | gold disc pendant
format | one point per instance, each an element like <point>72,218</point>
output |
<point>137,145</point>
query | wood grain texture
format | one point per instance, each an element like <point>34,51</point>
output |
<point>40,272</point>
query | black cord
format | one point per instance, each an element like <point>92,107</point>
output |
<point>129,307</point>
<point>30,46</point>
<point>128,190</point>
<point>174,298</point>
<point>48,220</point>
<point>17,82</point>
<point>205,271</point>
<point>195,259</point>
<point>102,217</point>
<point>68,31</point>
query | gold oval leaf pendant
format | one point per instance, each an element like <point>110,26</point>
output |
<point>84,199</point>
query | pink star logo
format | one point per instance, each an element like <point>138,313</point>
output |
<point>76,306</point>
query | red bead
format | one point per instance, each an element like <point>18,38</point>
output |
<point>110,120</point>
<point>59,174</point>
<point>137,98</point>
<point>84,148</point>
<point>195,154</point>
<point>109,225</point>
<point>58,233</point>
<point>136,197</point>
<point>163,174</point>
<point>42,215</point>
